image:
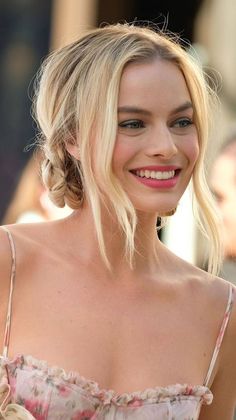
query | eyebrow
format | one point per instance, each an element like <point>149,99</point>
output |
<point>136,110</point>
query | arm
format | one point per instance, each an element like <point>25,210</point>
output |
<point>224,384</point>
<point>5,275</point>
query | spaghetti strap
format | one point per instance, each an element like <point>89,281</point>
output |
<point>221,334</point>
<point>9,307</point>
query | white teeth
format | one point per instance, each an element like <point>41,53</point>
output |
<point>155,174</point>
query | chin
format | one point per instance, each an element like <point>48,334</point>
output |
<point>162,205</point>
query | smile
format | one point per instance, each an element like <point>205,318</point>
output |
<point>157,179</point>
<point>155,174</point>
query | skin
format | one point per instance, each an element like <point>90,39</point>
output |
<point>154,134</point>
<point>105,324</point>
<point>223,184</point>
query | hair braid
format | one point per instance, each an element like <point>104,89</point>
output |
<point>62,176</point>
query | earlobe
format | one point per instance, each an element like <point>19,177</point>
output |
<point>73,150</point>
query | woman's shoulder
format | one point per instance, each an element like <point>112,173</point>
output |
<point>217,307</point>
<point>32,232</point>
<point>210,292</point>
<point>26,240</point>
<point>214,291</point>
<point>217,300</point>
<point>221,296</point>
<point>214,288</point>
<point>24,248</point>
<point>20,232</point>
<point>204,285</point>
<point>5,255</point>
<point>14,242</point>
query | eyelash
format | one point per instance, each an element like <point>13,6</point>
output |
<point>132,124</point>
<point>137,124</point>
<point>186,121</point>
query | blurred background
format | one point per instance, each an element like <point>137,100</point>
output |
<point>29,29</point>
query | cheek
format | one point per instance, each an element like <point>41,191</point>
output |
<point>192,150</point>
<point>123,152</point>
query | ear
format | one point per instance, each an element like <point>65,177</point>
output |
<point>73,150</point>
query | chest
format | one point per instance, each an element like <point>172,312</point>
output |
<point>124,340</point>
<point>53,396</point>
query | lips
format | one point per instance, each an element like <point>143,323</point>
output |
<point>156,172</point>
<point>158,168</point>
<point>157,176</point>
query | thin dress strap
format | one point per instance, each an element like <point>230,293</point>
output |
<point>9,308</point>
<point>221,333</point>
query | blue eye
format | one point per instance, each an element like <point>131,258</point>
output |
<point>183,122</point>
<point>133,124</point>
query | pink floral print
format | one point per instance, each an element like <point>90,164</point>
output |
<point>49,393</point>
<point>83,415</point>
<point>37,408</point>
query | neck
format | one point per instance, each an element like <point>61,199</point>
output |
<point>147,244</point>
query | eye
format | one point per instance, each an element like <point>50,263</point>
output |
<point>183,122</point>
<point>132,124</point>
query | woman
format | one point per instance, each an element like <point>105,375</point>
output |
<point>123,114</point>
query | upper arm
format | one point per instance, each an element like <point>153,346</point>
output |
<point>5,275</point>
<point>223,404</point>
<point>224,384</point>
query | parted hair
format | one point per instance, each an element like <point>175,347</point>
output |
<point>76,102</point>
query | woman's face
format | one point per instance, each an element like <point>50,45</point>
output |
<point>157,143</point>
<point>223,185</point>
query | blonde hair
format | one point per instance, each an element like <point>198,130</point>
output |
<point>76,99</point>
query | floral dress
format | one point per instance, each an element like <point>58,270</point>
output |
<point>31,390</point>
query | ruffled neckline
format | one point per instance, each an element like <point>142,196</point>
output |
<point>108,396</point>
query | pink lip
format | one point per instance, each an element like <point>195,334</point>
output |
<point>157,168</point>
<point>158,183</point>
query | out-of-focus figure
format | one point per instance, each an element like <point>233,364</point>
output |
<point>223,184</point>
<point>30,202</point>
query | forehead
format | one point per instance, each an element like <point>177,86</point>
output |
<point>158,82</point>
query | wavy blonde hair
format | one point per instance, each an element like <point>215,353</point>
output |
<point>77,95</point>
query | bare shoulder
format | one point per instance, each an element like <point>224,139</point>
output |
<point>6,267</point>
<point>210,292</point>
<point>217,301</point>
<point>30,238</point>
<point>19,237</point>
<point>213,290</point>
<point>6,264</point>
<point>30,247</point>
<point>215,298</point>
<point>28,241</point>
<point>5,255</point>
<point>219,297</point>
<point>223,384</point>
<point>213,294</point>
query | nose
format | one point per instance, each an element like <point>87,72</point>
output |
<point>161,142</point>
